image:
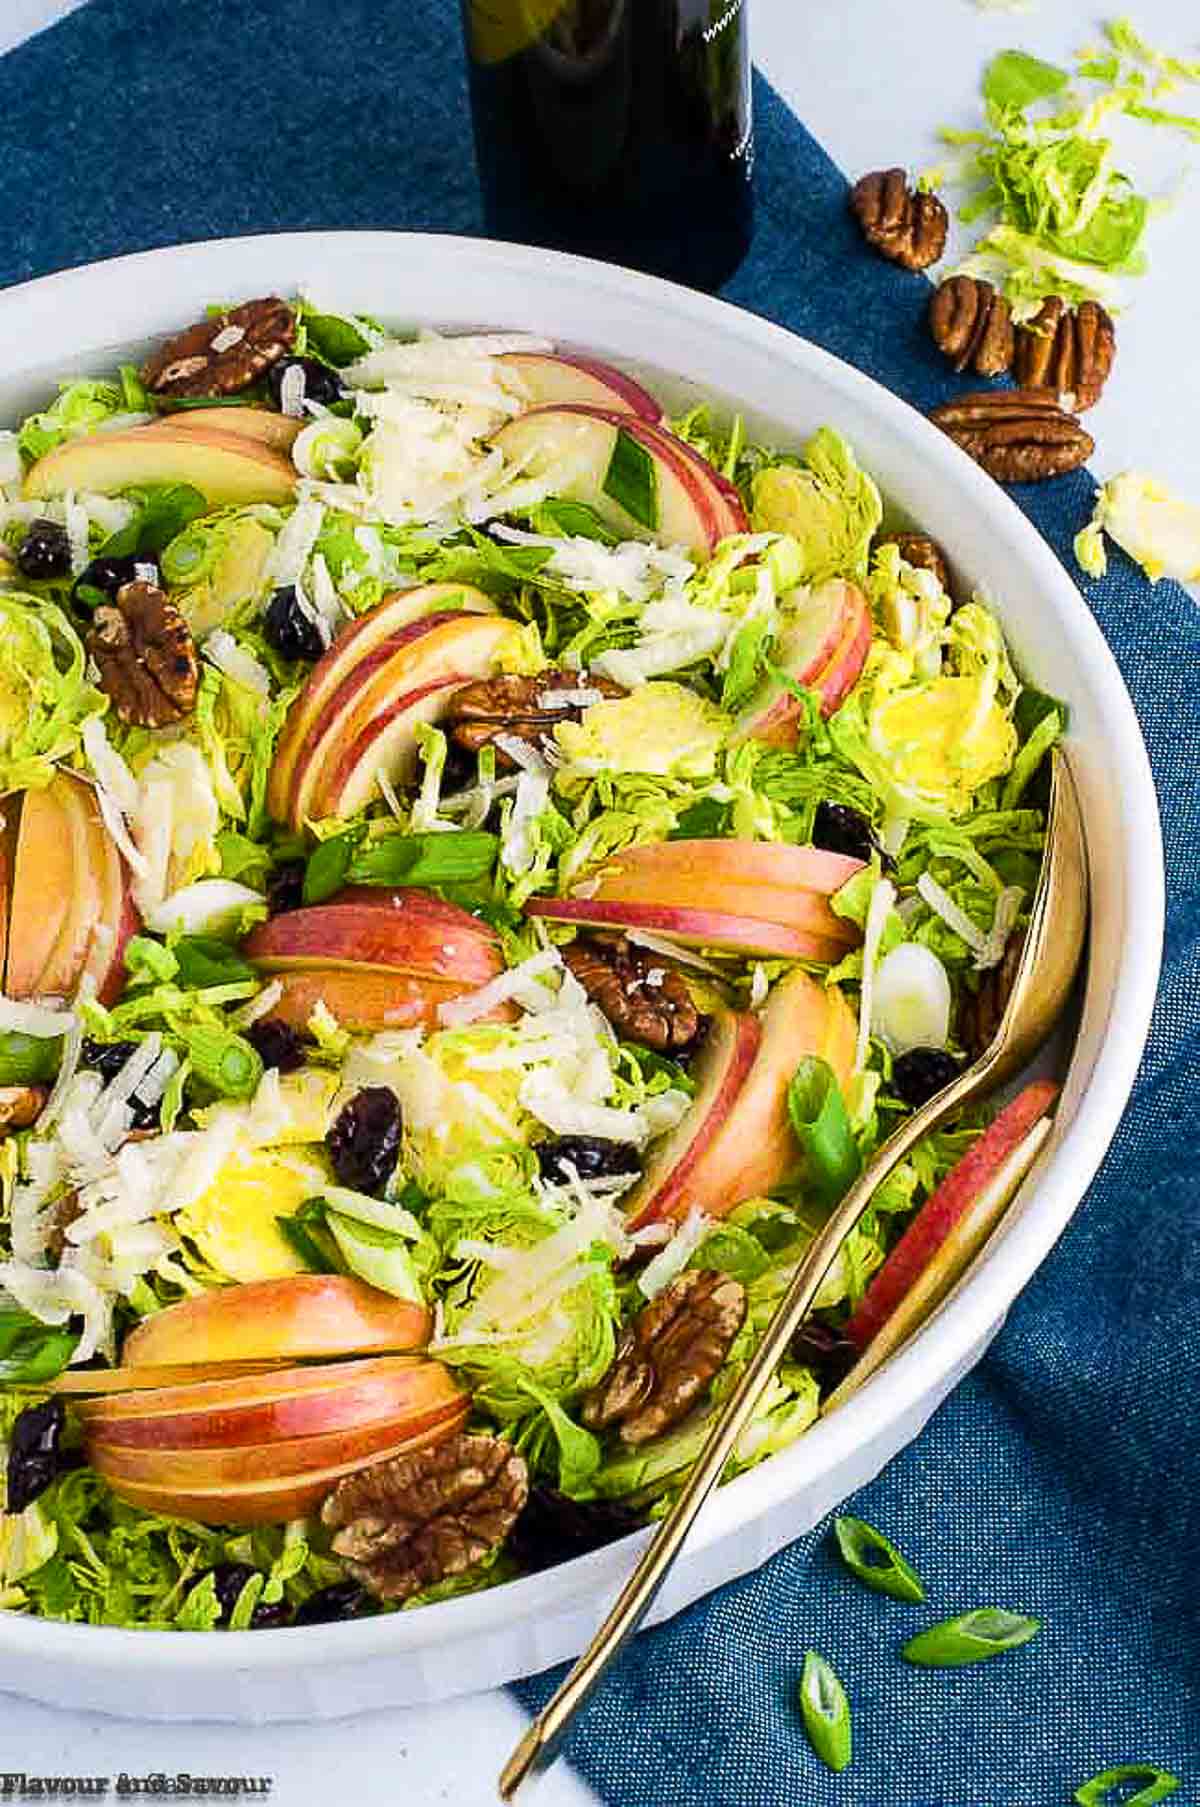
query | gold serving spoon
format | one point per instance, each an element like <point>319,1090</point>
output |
<point>1049,961</point>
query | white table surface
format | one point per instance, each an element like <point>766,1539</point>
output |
<point>872,80</point>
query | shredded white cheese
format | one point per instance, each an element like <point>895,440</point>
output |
<point>1008,908</point>
<point>883,896</point>
<point>943,905</point>
<point>237,662</point>
<point>685,1240</point>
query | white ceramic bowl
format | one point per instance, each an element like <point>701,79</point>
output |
<point>689,345</point>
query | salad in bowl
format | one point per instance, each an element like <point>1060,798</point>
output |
<point>483,864</point>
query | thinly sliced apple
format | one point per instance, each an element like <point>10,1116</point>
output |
<point>944,1208</point>
<point>265,1502</point>
<point>175,1389</point>
<point>116,918</point>
<point>554,378</point>
<point>757,1149</point>
<point>721,1070</point>
<point>770,864</point>
<point>42,888</point>
<point>10,817</point>
<point>95,1385</point>
<point>251,1464</point>
<point>227,468</point>
<point>947,1265</point>
<point>405,930</point>
<point>263,425</point>
<point>291,1402</point>
<point>748,936</point>
<point>388,743</point>
<point>61,973</point>
<point>397,612</point>
<point>575,446</point>
<point>371,721</point>
<point>293,1316</point>
<point>823,645</point>
<point>726,500</point>
<point>678,888</point>
<point>366,1000</point>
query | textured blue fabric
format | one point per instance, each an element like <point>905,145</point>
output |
<point>1061,1478</point>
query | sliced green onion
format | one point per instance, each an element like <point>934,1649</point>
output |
<point>326,870</point>
<point>32,1352</point>
<point>1098,1792</point>
<point>207,960</point>
<point>28,1059</point>
<point>227,1062</point>
<point>426,859</point>
<point>876,1561</point>
<point>303,1233</point>
<point>818,1113</point>
<point>970,1638</point>
<point>631,481</point>
<point>826,1711</point>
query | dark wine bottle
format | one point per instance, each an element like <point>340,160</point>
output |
<point>621,129</point>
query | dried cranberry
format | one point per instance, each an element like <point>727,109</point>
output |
<point>553,1528</point>
<point>107,1059</point>
<point>34,1454</point>
<point>110,575</point>
<point>827,1352</point>
<point>342,1600</point>
<point>840,829</point>
<point>592,1157</point>
<point>45,552</point>
<point>278,1044</point>
<point>364,1141</point>
<point>921,1073</point>
<point>269,1615</point>
<point>285,888</point>
<point>321,384</point>
<point>229,1578</point>
<point>290,628</point>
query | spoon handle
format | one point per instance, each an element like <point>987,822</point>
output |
<point>541,1742</point>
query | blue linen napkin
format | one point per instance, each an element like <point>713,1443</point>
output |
<point>1060,1479</point>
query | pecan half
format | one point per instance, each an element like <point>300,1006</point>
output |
<point>516,707</point>
<point>980,1012</point>
<point>403,1524</point>
<point>223,354</point>
<point>644,1000</point>
<point>1067,350</point>
<point>1018,436</point>
<point>919,550</point>
<point>972,324</point>
<point>145,655</point>
<point>21,1105</point>
<point>667,1356</point>
<point>906,226</point>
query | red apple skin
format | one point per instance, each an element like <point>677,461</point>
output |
<point>731,508</point>
<point>253,1464</point>
<point>824,647</point>
<point>721,1069</point>
<point>266,1502</point>
<point>175,1389</point>
<point>769,864</point>
<point>678,882</point>
<point>396,614</point>
<point>845,667</point>
<point>288,1406</point>
<point>757,1149</point>
<point>691,512</point>
<point>555,378</point>
<point>364,999</point>
<point>388,741</point>
<point>293,1316</point>
<point>409,930</point>
<point>943,1208</point>
<point>699,927</point>
<point>340,708</point>
<point>42,886</point>
<point>372,716</point>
